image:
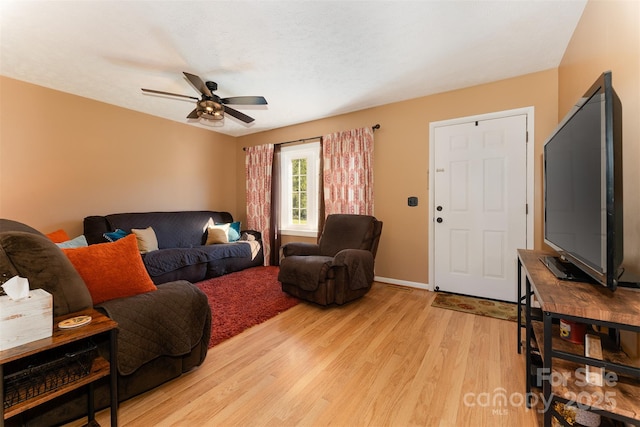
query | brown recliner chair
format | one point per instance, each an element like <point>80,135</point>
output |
<point>339,268</point>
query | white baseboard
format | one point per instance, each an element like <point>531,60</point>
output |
<point>403,283</point>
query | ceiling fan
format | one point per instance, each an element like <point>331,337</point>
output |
<point>211,106</point>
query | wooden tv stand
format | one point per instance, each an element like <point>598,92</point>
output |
<point>562,372</point>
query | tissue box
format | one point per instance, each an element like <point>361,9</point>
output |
<point>26,320</point>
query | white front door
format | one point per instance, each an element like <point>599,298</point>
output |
<point>479,206</point>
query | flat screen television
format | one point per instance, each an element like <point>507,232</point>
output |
<point>583,189</point>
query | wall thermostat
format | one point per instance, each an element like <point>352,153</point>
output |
<point>412,201</point>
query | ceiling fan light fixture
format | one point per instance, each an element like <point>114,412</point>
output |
<point>210,110</point>
<point>214,115</point>
<point>210,107</point>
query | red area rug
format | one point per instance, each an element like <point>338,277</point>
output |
<point>244,299</point>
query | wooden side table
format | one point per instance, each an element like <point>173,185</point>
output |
<point>100,368</point>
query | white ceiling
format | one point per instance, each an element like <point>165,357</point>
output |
<point>309,59</point>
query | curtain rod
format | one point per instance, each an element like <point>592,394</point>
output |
<point>374,127</point>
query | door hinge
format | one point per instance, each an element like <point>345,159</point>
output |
<point>526,141</point>
<point>526,208</point>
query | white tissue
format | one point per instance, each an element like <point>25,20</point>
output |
<point>17,288</point>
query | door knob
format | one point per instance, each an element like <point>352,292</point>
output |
<point>438,220</point>
<point>439,208</point>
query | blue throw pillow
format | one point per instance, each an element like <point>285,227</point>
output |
<point>112,236</point>
<point>78,242</point>
<point>234,231</point>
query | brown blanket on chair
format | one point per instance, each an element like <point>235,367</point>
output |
<point>359,265</point>
<point>164,322</point>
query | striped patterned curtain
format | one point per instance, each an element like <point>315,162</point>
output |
<point>348,172</point>
<point>259,166</point>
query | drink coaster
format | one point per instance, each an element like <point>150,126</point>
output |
<point>74,322</point>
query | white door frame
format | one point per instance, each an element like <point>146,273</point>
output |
<point>529,112</point>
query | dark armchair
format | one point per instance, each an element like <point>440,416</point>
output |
<point>339,268</point>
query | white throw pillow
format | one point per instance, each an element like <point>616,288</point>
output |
<point>147,240</point>
<point>218,234</point>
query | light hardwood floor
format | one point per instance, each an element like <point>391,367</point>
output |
<point>388,359</point>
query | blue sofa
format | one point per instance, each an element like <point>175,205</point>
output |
<point>181,235</point>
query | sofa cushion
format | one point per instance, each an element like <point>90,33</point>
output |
<point>170,321</point>
<point>112,270</point>
<point>166,260</point>
<point>26,253</point>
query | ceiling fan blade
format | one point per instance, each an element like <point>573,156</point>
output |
<point>169,93</point>
<point>193,114</point>
<point>198,83</point>
<point>238,115</point>
<point>245,100</point>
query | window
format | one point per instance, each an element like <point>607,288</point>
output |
<point>300,189</point>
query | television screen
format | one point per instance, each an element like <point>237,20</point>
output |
<point>583,185</point>
<point>575,221</point>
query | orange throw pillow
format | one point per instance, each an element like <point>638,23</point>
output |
<point>58,236</point>
<point>112,270</point>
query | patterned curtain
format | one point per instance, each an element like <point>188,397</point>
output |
<point>348,172</point>
<point>276,197</point>
<point>259,166</point>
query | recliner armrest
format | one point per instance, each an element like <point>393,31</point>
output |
<point>300,248</point>
<point>358,265</point>
<point>348,257</point>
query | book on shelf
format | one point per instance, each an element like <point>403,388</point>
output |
<point>593,349</point>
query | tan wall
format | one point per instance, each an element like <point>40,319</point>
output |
<point>63,157</point>
<point>608,38</point>
<point>402,158</point>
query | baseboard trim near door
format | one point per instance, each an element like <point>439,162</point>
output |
<point>417,285</point>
